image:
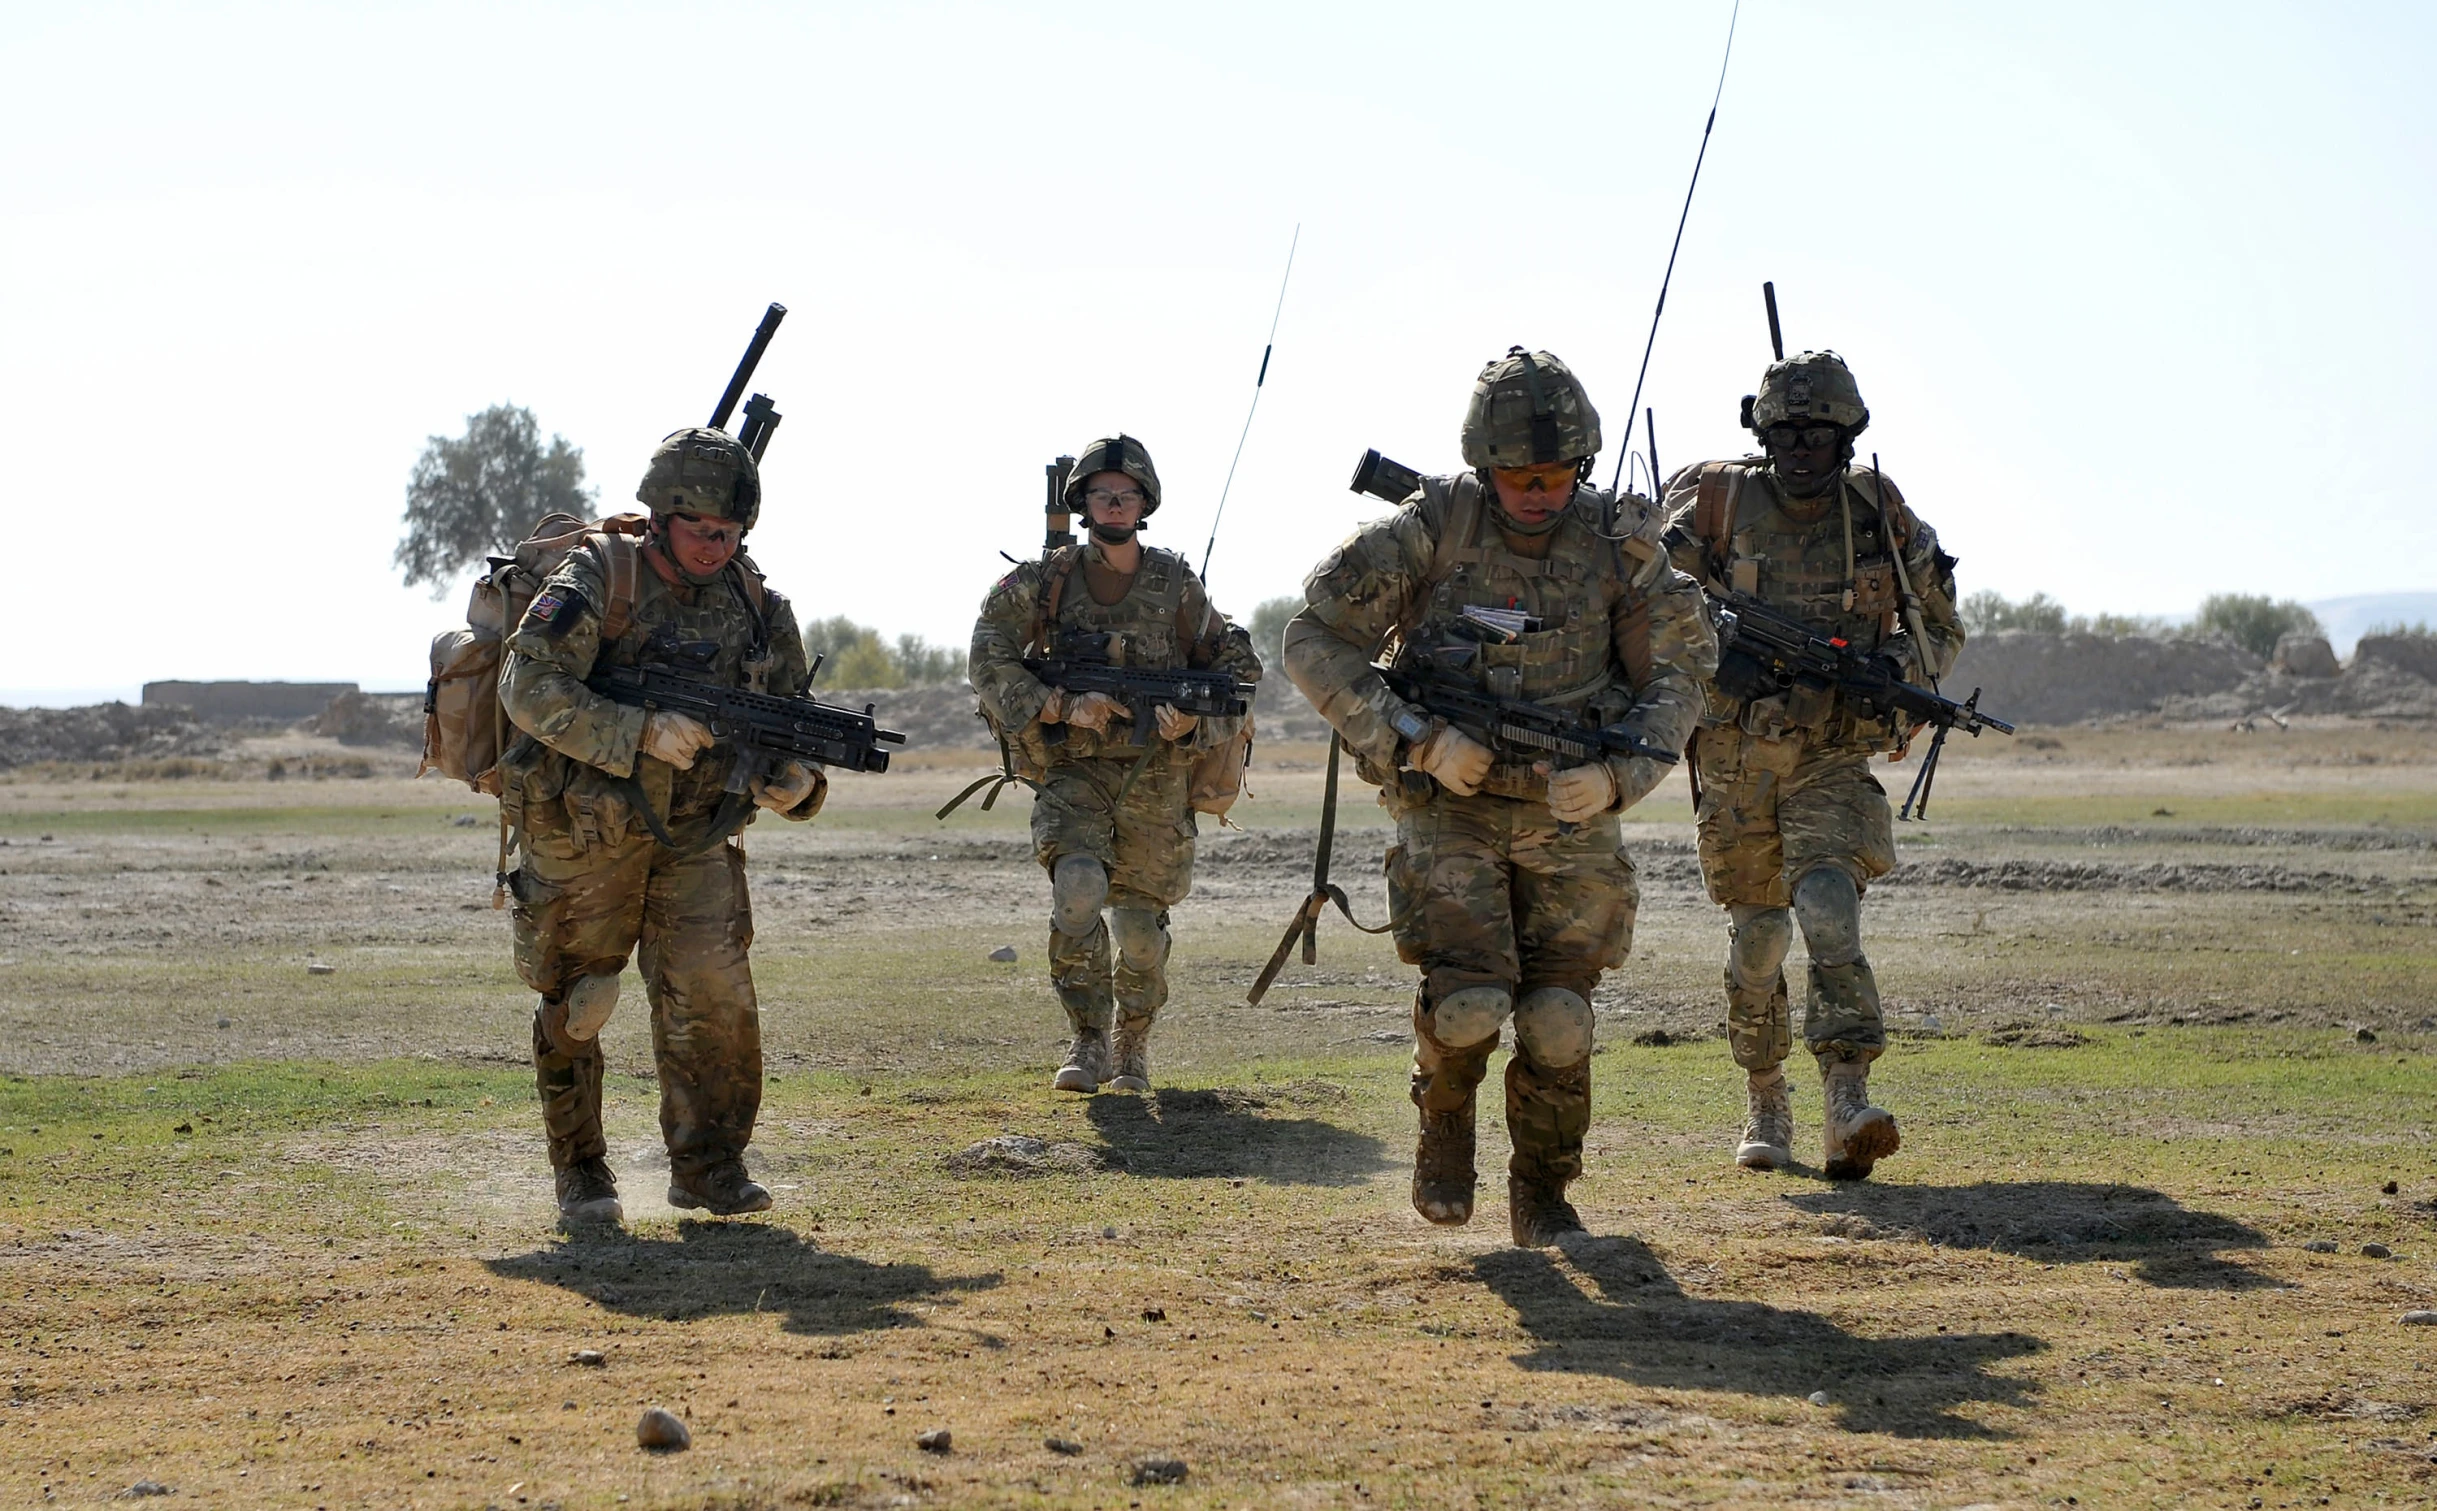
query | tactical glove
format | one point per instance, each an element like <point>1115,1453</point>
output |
<point>675,738</point>
<point>1581,792</point>
<point>1174,723</point>
<point>1455,759</point>
<point>1091,711</point>
<point>784,790</point>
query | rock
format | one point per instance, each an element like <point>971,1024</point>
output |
<point>589,1358</point>
<point>2320,1246</point>
<point>937,1440</point>
<point>316,968</point>
<point>2420,1319</point>
<point>2376,1251</point>
<point>1020,1154</point>
<point>143,1489</point>
<point>1654,1038</point>
<point>2390,1188</point>
<point>1004,954</point>
<point>2302,654</point>
<point>1154,1314</point>
<point>660,1431</point>
<point>1819,1398</point>
<point>1069,1447</point>
<point>1158,1472</point>
<point>1931,1025</point>
<point>2363,1036</point>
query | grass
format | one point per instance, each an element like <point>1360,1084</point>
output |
<point>308,1284</point>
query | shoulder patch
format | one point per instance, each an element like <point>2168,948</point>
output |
<point>555,607</point>
<point>546,606</point>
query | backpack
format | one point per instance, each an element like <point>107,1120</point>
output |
<point>465,728</point>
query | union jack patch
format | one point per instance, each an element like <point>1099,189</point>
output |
<point>545,607</point>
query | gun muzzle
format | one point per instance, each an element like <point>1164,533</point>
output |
<point>1381,478</point>
<point>744,369</point>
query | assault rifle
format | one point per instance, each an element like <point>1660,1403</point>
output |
<point>762,729</point>
<point>1762,651</point>
<point>1529,729</point>
<point>1082,665</point>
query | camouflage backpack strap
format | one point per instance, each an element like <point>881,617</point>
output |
<point>621,557</point>
<point>1056,572</point>
<point>1713,512</point>
<point>1454,547</point>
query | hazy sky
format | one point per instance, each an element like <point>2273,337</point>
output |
<point>2140,295</point>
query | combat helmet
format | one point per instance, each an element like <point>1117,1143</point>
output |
<point>1527,410</point>
<point>1116,453</point>
<point>702,471</point>
<point>1808,386</point>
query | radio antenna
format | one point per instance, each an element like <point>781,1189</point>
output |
<point>1267,347</point>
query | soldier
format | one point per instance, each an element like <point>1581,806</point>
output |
<point>1791,820</point>
<point>1111,822</point>
<point>593,881</point>
<point>1507,884</point>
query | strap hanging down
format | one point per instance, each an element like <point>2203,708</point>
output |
<point>1306,923</point>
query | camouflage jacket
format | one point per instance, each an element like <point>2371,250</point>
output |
<point>581,740</point>
<point>1830,561</point>
<point>1165,619</point>
<point>1620,633</point>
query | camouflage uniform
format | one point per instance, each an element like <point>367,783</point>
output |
<point>1507,910</point>
<point>1793,827</point>
<point>1117,797</point>
<point>593,882</point>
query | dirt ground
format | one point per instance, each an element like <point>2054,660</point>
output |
<point>275,1222</point>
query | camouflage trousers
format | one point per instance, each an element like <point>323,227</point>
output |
<point>578,912</point>
<point>1142,844</point>
<point>1791,832</point>
<point>1488,891</point>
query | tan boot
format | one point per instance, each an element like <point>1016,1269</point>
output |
<point>1537,1213</point>
<point>588,1193</point>
<point>1086,1064</point>
<point>1768,1129</point>
<point>1130,1056</point>
<point>1443,1173</point>
<point>1858,1135</point>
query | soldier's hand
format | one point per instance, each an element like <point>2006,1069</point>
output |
<point>1581,792</point>
<point>1456,760</point>
<point>675,738</point>
<point>1093,711</point>
<point>1174,723</point>
<point>784,790</point>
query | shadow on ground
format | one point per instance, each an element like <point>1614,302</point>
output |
<point>1237,1132</point>
<point>716,1268</point>
<point>2057,1222</point>
<point>1636,1324</point>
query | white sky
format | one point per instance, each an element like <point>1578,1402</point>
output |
<point>2140,295</point>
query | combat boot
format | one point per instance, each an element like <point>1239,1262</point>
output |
<point>1086,1064</point>
<point>1130,1056</point>
<point>1537,1212</point>
<point>723,1188</point>
<point>588,1193</point>
<point>1443,1172</point>
<point>1768,1129</point>
<point>1858,1135</point>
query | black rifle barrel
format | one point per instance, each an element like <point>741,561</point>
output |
<point>1768,295</point>
<point>753,359</point>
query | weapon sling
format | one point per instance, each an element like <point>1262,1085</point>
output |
<point>1306,923</point>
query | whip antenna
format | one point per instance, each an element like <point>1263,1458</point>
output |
<point>1618,481</point>
<point>1266,349</point>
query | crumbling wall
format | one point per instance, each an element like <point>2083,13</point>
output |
<point>2038,677</point>
<point>234,702</point>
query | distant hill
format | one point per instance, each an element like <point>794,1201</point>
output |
<point>2347,619</point>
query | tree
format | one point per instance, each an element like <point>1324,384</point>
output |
<point>480,494</point>
<point>2254,621</point>
<point>1985,613</point>
<point>859,658</point>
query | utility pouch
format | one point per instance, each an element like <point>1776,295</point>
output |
<point>1874,589</point>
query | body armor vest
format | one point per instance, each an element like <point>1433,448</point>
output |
<point>1139,630</point>
<point>722,636</point>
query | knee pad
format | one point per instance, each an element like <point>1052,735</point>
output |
<point>1829,907</point>
<point>589,1003</point>
<point>1553,1026</point>
<point>1471,1016</point>
<point>1078,889</point>
<point>1756,943</point>
<point>1139,937</point>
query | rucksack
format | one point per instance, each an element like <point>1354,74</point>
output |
<point>465,729</point>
